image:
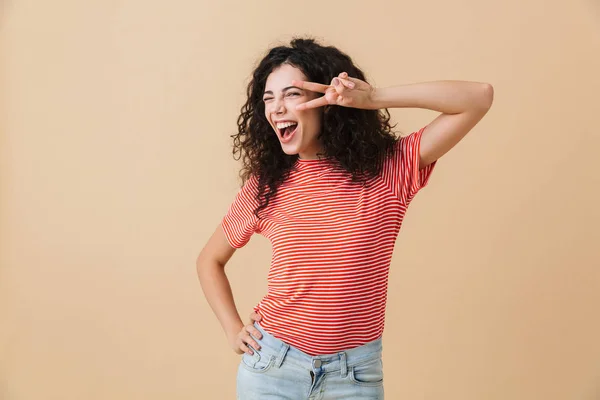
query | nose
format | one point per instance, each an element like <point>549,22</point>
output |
<point>278,106</point>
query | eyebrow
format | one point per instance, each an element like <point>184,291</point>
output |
<point>284,89</point>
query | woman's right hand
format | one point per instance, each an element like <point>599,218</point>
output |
<point>240,342</point>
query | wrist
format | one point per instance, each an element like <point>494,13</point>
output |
<point>375,99</point>
<point>395,97</point>
<point>232,330</point>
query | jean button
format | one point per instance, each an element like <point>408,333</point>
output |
<point>317,363</point>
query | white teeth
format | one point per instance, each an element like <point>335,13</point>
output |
<point>285,124</point>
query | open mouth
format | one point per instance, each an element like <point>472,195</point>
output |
<point>287,129</point>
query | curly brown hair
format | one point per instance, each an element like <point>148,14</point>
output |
<point>359,140</point>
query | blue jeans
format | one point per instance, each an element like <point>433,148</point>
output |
<point>280,371</point>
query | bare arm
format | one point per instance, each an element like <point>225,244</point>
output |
<point>210,266</point>
<point>462,104</point>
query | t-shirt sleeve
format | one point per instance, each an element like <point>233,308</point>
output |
<point>239,223</point>
<point>403,173</point>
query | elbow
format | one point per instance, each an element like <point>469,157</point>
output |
<point>202,263</point>
<point>486,97</point>
<point>200,267</point>
<point>207,264</point>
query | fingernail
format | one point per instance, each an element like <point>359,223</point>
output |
<point>351,85</point>
<point>336,81</point>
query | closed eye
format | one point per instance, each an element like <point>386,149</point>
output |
<point>289,94</point>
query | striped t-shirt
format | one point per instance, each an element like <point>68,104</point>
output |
<point>332,243</point>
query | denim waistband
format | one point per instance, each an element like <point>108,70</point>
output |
<point>322,363</point>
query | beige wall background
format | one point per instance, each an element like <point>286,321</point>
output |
<point>116,167</point>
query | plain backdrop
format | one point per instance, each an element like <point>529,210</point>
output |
<point>116,167</point>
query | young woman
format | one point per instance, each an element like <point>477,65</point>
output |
<point>328,183</point>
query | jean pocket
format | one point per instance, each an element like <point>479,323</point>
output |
<point>369,373</point>
<point>258,362</point>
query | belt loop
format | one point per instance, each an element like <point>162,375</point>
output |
<point>281,356</point>
<point>343,364</point>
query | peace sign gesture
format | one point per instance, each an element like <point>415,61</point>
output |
<point>343,91</point>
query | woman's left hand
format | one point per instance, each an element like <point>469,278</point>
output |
<point>343,91</point>
<point>255,317</point>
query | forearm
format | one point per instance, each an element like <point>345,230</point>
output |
<point>448,97</point>
<point>217,291</point>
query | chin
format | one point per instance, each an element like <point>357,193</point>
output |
<point>291,148</point>
<point>290,152</point>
